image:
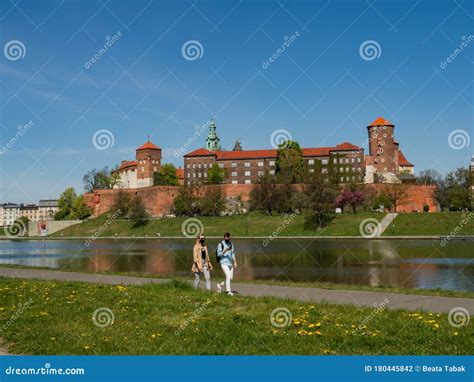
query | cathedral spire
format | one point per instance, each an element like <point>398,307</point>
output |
<point>212,140</point>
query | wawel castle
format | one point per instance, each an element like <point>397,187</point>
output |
<point>385,162</point>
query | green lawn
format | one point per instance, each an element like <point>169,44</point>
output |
<point>438,223</point>
<point>56,318</point>
<point>254,224</point>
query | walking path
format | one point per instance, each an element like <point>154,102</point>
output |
<point>435,304</point>
<point>386,221</point>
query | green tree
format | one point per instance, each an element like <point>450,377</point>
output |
<point>138,213</point>
<point>100,179</point>
<point>215,174</point>
<point>264,194</point>
<point>290,166</point>
<point>65,203</point>
<point>186,203</point>
<point>321,194</point>
<point>166,176</point>
<point>80,210</point>
<point>121,203</point>
<point>458,189</point>
<point>212,201</point>
<point>429,177</point>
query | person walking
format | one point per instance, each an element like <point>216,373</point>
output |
<point>201,263</point>
<point>226,256</point>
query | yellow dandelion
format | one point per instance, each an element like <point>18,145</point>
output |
<point>455,334</point>
<point>317,332</point>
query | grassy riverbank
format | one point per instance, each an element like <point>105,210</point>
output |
<point>293,284</point>
<point>256,224</point>
<point>56,318</point>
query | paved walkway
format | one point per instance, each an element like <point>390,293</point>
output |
<point>386,221</point>
<point>359,298</point>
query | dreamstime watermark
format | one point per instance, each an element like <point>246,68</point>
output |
<point>370,227</point>
<point>21,308</point>
<point>458,317</point>
<point>281,317</point>
<point>17,229</point>
<point>459,139</point>
<point>103,227</point>
<point>370,50</point>
<point>192,50</point>
<point>287,41</point>
<point>44,370</point>
<point>198,130</point>
<point>14,50</point>
<point>378,308</point>
<point>109,43</point>
<point>192,227</point>
<point>288,219</point>
<point>21,130</point>
<point>464,221</point>
<point>103,317</point>
<point>280,138</point>
<point>464,44</point>
<point>103,139</point>
<point>194,315</point>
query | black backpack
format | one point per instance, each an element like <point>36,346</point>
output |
<point>218,258</point>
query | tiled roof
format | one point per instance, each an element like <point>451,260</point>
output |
<point>199,153</point>
<point>127,164</point>
<point>381,122</point>
<point>402,160</point>
<point>148,146</point>
<point>260,154</point>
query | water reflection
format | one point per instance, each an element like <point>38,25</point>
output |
<point>413,263</point>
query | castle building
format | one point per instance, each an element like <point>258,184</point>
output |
<point>138,173</point>
<point>346,161</point>
<point>385,162</point>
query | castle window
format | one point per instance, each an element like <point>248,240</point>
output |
<point>272,163</point>
<point>205,175</point>
<point>353,160</point>
<point>247,181</point>
<point>194,175</point>
<point>199,165</point>
<point>341,169</point>
<point>234,164</point>
<point>260,164</point>
<point>324,161</point>
<point>311,170</point>
<point>221,165</point>
<point>324,170</point>
<point>335,161</point>
<point>247,173</point>
<point>199,175</point>
<point>234,173</point>
<point>347,169</point>
<point>188,165</point>
<point>272,172</point>
<point>260,173</point>
<point>358,160</point>
<point>311,161</point>
<point>234,182</point>
<point>205,165</point>
<point>194,165</point>
<point>189,175</point>
<point>247,164</point>
<point>342,179</point>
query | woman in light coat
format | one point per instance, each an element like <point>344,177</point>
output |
<point>201,262</point>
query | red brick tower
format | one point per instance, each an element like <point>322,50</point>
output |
<point>382,146</point>
<point>148,157</point>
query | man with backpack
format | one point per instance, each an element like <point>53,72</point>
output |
<point>225,256</point>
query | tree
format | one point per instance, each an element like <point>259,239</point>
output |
<point>138,214</point>
<point>290,165</point>
<point>267,196</point>
<point>100,179</point>
<point>429,177</point>
<point>71,206</point>
<point>121,203</point>
<point>186,202</point>
<point>212,201</point>
<point>321,195</point>
<point>215,174</point>
<point>80,210</point>
<point>166,176</point>
<point>395,194</point>
<point>381,200</point>
<point>351,197</point>
<point>65,203</point>
<point>458,189</point>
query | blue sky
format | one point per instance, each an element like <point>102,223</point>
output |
<point>320,89</point>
